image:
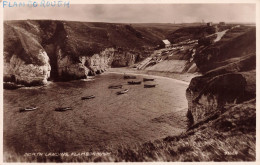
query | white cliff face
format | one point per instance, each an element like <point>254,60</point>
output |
<point>7,67</point>
<point>28,73</point>
<point>100,62</point>
<point>68,68</point>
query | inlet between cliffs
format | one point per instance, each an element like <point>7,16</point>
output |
<point>105,122</point>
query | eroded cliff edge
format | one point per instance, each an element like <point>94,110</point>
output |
<point>229,75</point>
<point>38,50</point>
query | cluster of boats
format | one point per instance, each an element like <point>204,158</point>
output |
<point>139,82</point>
<point>61,109</point>
<point>34,108</point>
<point>132,83</point>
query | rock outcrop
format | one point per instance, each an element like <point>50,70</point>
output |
<point>208,95</point>
<point>27,63</point>
<point>63,50</point>
<point>228,68</point>
<point>29,74</point>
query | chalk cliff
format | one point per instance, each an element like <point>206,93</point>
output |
<point>36,51</point>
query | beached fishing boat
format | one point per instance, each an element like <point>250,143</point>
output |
<point>134,82</point>
<point>129,77</point>
<point>148,79</point>
<point>88,97</point>
<point>63,108</point>
<point>115,86</point>
<point>122,92</point>
<point>28,109</point>
<point>149,86</point>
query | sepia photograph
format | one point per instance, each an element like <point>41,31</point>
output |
<point>151,81</point>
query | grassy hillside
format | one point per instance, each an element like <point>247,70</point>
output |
<point>191,32</point>
<point>84,38</point>
<point>236,45</point>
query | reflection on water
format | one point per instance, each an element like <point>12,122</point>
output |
<point>106,121</point>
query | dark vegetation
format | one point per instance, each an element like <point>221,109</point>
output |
<point>236,45</point>
<point>193,32</point>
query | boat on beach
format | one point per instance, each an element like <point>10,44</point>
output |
<point>115,86</point>
<point>129,77</point>
<point>149,86</point>
<point>28,109</point>
<point>134,82</point>
<point>63,109</point>
<point>88,97</point>
<point>122,92</point>
<point>148,79</point>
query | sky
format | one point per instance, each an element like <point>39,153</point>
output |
<point>138,13</point>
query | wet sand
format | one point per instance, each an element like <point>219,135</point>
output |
<point>107,121</point>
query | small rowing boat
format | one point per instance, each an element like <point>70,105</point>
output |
<point>134,82</point>
<point>148,79</point>
<point>149,86</point>
<point>63,108</point>
<point>129,77</point>
<point>115,86</point>
<point>88,97</point>
<point>28,109</point>
<point>122,92</point>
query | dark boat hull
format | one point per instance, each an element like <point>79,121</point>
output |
<point>122,92</point>
<point>129,77</point>
<point>88,97</point>
<point>149,86</point>
<point>63,109</point>
<point>134,83</point>
<point>115,86</point>
<point>148,79</point>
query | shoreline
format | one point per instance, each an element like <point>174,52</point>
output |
<point>183,78</point>
<point>177,77</point>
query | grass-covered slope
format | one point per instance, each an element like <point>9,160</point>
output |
<point>84,38</point>
<point>191,32</point>
<point>238,44</point>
